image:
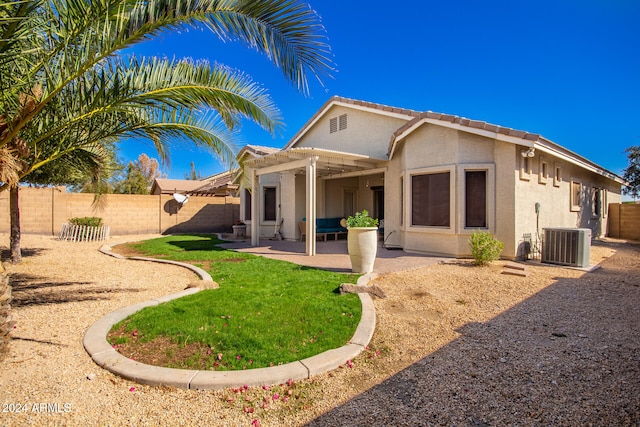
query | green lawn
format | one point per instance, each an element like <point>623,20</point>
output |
<point>266,311</point>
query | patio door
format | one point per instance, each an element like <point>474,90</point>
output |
<point>348,202</point>
<point>378,202</point>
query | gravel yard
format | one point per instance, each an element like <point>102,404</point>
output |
<point>454,345</point>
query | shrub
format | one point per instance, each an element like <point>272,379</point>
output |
<point>361,219</point>
<point>90,221</point>
<point>485,248</point>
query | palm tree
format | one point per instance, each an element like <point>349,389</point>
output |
<point>64,87</point>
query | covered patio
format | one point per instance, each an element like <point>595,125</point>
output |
<point>316,164</point>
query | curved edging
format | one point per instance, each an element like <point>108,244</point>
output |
<point>106,249</point>
<point>96,344</point>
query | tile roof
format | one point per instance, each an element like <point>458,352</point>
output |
<point>451,119</point>
<point>258,150</point>
<point>215,182</point>
<point>168,186</point>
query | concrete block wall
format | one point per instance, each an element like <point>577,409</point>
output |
<point>44,210</point>
<point>624,221</point>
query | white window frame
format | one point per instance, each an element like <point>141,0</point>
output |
<point>451,229</point>
<point>525,167</point>
<point>262,203</point>
<point>543,171</point>
<point>557,174</point>
<point>490,168</point>
<point>596,203</point>
<point>575,205</point>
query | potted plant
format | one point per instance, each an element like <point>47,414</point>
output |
<point>239,229</point>
<point>362,241</point>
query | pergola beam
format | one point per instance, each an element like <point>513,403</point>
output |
<point>283,167</point>
<point>355,173</point>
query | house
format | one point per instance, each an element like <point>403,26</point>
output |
<point>431,178</point>
<point>221,184</point>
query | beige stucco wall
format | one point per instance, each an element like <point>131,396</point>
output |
<point>511,200</point>
<point>437,149</point>
<point>554,197</point>
<point>366,133</point>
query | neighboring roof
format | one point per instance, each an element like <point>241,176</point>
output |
<point>256,151</point>
<point>221,181</point>
<point>351,103</point>
<point>170,186</point>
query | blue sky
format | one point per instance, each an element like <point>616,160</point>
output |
<point>565,69</point>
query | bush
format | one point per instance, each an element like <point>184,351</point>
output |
<point>361,219</point>
<point>90,221</point>
<point>485,248</point>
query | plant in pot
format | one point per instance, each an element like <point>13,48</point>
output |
<point>362,241</point>
<point>239,229</point>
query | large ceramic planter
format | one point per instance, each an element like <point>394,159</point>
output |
<point>363,245</point>
<point>239,231</point>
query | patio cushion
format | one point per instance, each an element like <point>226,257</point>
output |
<point>328,225</point>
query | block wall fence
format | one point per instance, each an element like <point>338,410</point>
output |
<point>44,210</point>
<point>624,221</point>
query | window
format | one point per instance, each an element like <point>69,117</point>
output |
<point>247,205</point>
<point>596,202</point>
<point>475,199</point>
<point>270,204</point>
<point>576,190</point>
<point>543,171</point>
<point>401,200</point>
<point>557,175</point>
<point>525,168</point>
<point>430,200</point>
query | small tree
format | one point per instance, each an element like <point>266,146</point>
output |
<point>485,248</point>
<point>193,174</point>
<point>139,176</point>
<point>632,173</point>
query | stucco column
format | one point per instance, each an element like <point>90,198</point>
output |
<point>311,207</point>
<point>255,208</point>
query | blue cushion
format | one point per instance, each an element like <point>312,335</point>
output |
<point>328,225</point>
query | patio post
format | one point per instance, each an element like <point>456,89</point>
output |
<point>255,208</point>
<point>311,206</point>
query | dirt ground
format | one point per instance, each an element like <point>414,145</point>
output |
<point>454,345</point>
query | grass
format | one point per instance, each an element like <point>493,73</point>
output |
<point>266,312</point>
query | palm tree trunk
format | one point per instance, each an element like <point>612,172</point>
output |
<point>6,323</point>
<point>14,212</point>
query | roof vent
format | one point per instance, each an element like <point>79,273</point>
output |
<point>337,123</point>
<point>333,125</point>
<point>342,122</point>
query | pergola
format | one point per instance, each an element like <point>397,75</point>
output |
<point>316,164</point>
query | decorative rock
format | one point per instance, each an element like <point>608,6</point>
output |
<point>203,284</point>
<point>348,288</point>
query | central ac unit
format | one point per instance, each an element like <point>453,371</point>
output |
<point>567,246</point>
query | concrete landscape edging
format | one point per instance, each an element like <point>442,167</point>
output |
<point>103,354</point>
